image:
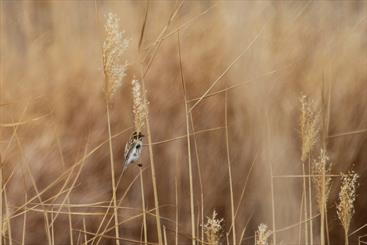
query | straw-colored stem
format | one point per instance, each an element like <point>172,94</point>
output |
<point>229,169</point>
<point>176,204</point>
<point>112,175</point>
<point>1,202</point>
<point>165,235</point>
<point>52,228</point>
<point>7,211</point>
<point>310,198</point>
<point>271,180</point>
<point>143,207</point>
<point>327,226</point>
<point>85,230</point>
<point>200,179</point>
<point>300,219</point>
<point>346,240</point>
<point>152,168</point>
<point>305,202</point>
<point>322,209</point>
<point>24,220</point>
<point>193,236</point>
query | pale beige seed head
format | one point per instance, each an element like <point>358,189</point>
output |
<point>262,235</point>
<point>309,126</point>
<point>139,106</point>
<point>321,168</point>
<point>114,47</point>
<point>212,229</point>
<point>347,197</point>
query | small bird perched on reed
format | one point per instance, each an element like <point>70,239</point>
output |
<point>134,145</point>
<point>133,149</point>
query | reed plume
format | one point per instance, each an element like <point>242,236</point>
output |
<point>262,235</point>
<point>309,126</point>
<point>212,229</point>
<point>347,197</point>
<point>139,106</point>
<point>309,131</point>
<point>114,69</point>
<point>321,169</point>
<point>114,46</point>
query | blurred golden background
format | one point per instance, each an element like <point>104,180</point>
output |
<point>262,55</point>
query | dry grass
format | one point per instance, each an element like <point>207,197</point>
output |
<point>224,127</point>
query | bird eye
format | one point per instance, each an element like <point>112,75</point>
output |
<point>138,146</point>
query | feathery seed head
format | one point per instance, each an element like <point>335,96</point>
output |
<point>139,106</point>
<point>309,127</point>
<point>212,229</point>
<point>347,196</point>
<point>114,47</point>
<point>262,235</point>
<point>320,168</point>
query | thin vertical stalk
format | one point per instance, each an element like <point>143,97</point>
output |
<point>193,236</point>
<point>310,198</point>
<point>143,207</point>
<point>229,168</point>
<point>327,227</point>
<point>305,202</point>
<point>176,200</point>
<point>85,230</point>
<point>24,219</point>
<point>68,198</point>
<point>271,181</point>
<point>1,201</point>
<point>52,227</point>
<point>200,180</point>
<point>300,218</point>
<point>152,168</point>
<point>322,209</point>
<point>8,218</point>
<point>346,241</point>
<point>165,235</point>
<point>112,175</point>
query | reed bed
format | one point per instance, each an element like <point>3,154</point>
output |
<point>251,113</point>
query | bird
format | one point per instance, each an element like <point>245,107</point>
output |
<point>133,149</point>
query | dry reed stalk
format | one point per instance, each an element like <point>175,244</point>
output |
<point>322,167</point>
<point>309,131</point>
<point>114,69</point>
<point>58,143</point>
<point>7,213</point>
<point>300,218</point>
<point>100,234</point>
<point>1,201</point>
<point>165,235</point>
<point>310,199</point>
<point>152,168</point>
<point>176,204</point>
<point>347,196</point>
<point>34,185</point>
<point>271,178</point>
<point>229,169</point>
<point>52,228</point>
<point>188,145</point>
<point>85,230</point>
<point>262,235</point>
<point>200,179</point>
<point>143,207</point>
<point>24,220</point>
<point>213,229</point>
